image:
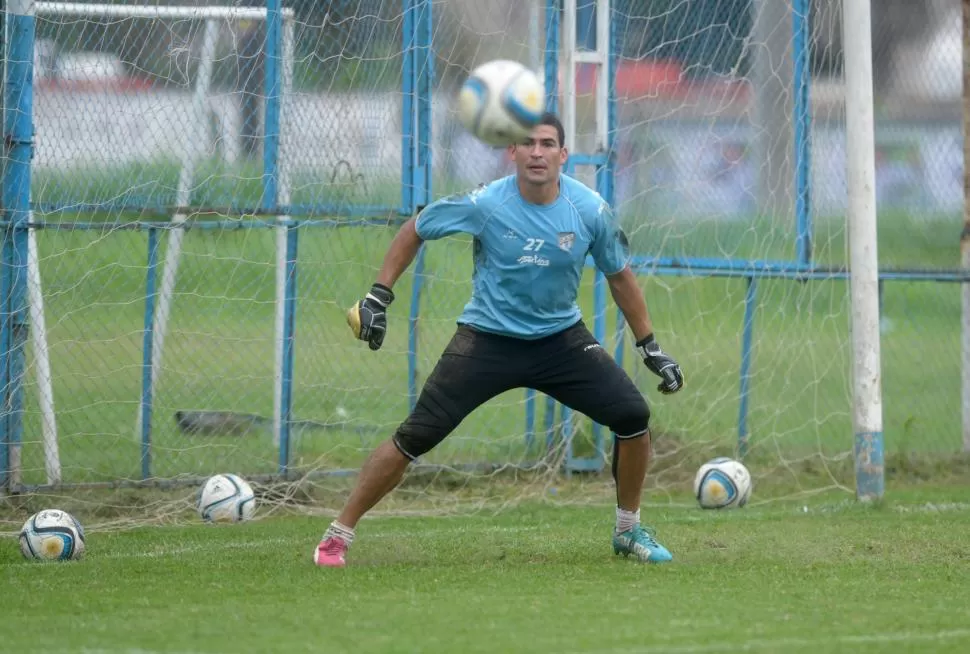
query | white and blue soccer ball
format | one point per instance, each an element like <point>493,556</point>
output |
<point>722,483</point>
<point>52,535</point>
<point>500,102</point>
<point>226,498</point>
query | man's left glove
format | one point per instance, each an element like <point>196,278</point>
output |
<point>368,318</point>
<point>661,365</point>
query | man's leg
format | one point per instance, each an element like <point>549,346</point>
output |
<point>381,474</point>
<point>473,369</point>
<point>631,458</point>
<point>579,373</point>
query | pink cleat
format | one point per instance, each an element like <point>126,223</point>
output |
<point>330,552</point>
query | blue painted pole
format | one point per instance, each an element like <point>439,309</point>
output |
<point>408,102</point>
<point>530,418</point>
<point>424,84</point>
<point>566,429</point>
<point>148,335</point>
<point>618,337</point>
<point>415,313</point>
<point>870,465</point>
<point>418,79</point>
<point>747,337</point>
<point>5,339</point>
<point>272,85</point>
<point>289,347</point>
<point>18,102</point>
<point>551,81</point>
<point>606,186</point>
<point>585,25</point>
<point>802,130</point>
<point>551,64</point>
<point>550,423</point>
<point>599,333</point>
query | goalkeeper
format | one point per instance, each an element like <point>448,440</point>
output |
<point>521,329</point>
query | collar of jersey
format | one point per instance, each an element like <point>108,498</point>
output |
<point>541,207</point>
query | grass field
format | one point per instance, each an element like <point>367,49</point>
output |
<point>817,575</point>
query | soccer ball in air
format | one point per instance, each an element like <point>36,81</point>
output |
<point>722,483</point>
<point>500,102</point>
<point>52,535</point>
<point>226,498</point>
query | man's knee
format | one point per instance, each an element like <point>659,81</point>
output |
<point>434,417</point>
<point>415,442</point>
<point>630,419</point>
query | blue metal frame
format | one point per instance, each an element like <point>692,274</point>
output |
<point>148,337</point>
<point>549,423</point>
<point>618,333</point>
<point>424,82</point>
<point>18,136</point>
<point>747,336</point>
<point>413,320</point>
<point>408,102</point>
<point>417,74</point>
<point>605,176</point>
<point>289,347</point>
<point>270,201</point>
<point>870,468</point>
<point>551,58</point>
<point>272,88</point>
<point>418,84</point>
<point>5,339</point>
<point>586,16</point>
<point>586,22</point>
<point>552,21</point>
<point>802,121</point>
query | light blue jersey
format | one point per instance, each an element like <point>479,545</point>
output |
<point>529,258</point>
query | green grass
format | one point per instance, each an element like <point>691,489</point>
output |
<point>819,575</point>
<point>240,186</point>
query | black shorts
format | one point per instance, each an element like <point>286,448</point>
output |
<point>571,367</point>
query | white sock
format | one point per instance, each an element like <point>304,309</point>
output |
<point>342,532</point>
<point>626,519</point>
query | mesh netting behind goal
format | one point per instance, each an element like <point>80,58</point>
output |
<point>213,186</point>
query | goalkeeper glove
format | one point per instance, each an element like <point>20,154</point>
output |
<point>661,365</point>
<point>368,318</point>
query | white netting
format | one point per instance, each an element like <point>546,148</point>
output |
<point>151,115</point>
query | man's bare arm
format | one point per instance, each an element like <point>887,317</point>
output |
<point>629,298</point>
<point>399,255</point>
<point>368,317</point>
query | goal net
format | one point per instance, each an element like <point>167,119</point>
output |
<point>163,116</point>
<point>212,186</point>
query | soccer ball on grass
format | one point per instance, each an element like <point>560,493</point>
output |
<point>52,535</point>
<point>226,498</point>
<point>722,483</point>
<point>500,102</point>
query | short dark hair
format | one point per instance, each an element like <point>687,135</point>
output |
<point>549,118</point>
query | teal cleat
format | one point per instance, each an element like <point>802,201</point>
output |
<point>639,542</point>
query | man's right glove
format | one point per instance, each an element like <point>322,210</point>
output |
<point>368,318</point>
<point>661,365</point>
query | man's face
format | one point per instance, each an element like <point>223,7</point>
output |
<point>539,158</point>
